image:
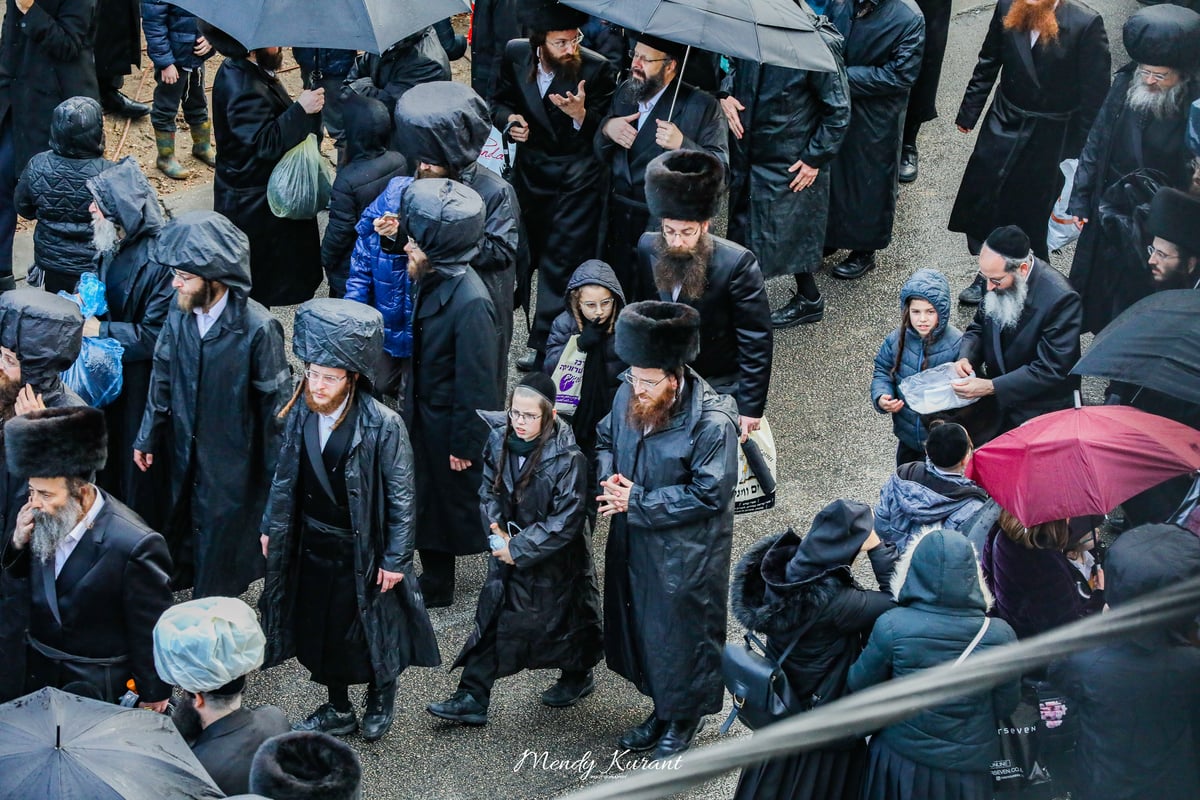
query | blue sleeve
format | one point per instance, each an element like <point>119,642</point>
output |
<point>155,14</point>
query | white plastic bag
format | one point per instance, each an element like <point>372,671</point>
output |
<point>301,182</point>
<point>750,494</point>
<point>932,391</point>
<point>568,377</point>
<point>1062,229</point>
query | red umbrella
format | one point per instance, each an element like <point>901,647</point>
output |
<point>1082,461</point>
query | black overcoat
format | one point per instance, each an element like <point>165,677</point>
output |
<point>379,484</point>
<point>546,606</point>
<point>254,124</point>
<point>493,24</point>
<point>922,100</point>
<point>1048,98</point>
<point>883,59</point>
<point>226,748</point>
<point>667,558</point>
<point>118,42</point>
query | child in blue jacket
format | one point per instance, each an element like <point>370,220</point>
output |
<point>174,44</point>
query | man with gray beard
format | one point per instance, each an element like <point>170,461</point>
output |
<point>1024,339</point>
<point>1141,129</point>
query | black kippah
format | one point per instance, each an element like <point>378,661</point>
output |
<point>1009,241</point>
<point>670,49</point>
<point>541,383</point>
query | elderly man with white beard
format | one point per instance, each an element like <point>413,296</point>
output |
<point>1024,339</point>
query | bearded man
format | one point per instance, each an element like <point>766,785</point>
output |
<point>219,377</point>
<point>667,453</point>
<point>1174,252</point>
<point>1142,127</point>
<point>98,577</point>
<point>651,114</point>
<point>719,278</point>
<point>1024,339</point>
<point>1053,63</point>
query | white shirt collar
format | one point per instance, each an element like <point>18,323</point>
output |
<point>544,78</point>
<point>67,545</point>
<point>645,108</point>
<point>325,422</point>
<point>205,320</point>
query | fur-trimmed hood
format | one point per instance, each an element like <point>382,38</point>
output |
<point>762,600</point>
<point>940,570</point>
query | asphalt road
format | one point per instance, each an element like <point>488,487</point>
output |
<point>832,444</point>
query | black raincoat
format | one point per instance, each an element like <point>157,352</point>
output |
<point>140,296</point>
<point>493,24</point>
<point>791,115</point>
<point>212,404</point>
<point>254,124</point>
<point>341,334</point>
<point>413,60</point>
<point>546,606</point>
<point>667,558</point>
<point>883,59</point>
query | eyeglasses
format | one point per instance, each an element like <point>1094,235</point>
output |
<point>323,379</point>
<point>563,44</point>
<point>9,361</point>
<point>1149,75</point>
<point>995,282</point>
<point>635,382</point>
<point>686,233</point>
<point>1154,252</point>
<point>184,276</point>
<point>636,56</point>
<point>523,416</point>
<point>592,305</point>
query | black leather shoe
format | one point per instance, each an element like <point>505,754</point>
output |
<point>327,719</point>
<point>644,736</point>
<point>677,738</point>
<point>973,294</point>
<point>436,594</point>
<point>908,163</point>
<point>799,311</point>
<point>115,102</point>
<point>855,265</point>
<point>379,710</point>
<point>460,707</point>
<point>566,692</point>
<point>529,362</point>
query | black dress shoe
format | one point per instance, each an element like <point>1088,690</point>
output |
<point>799,311</point>
<point>973,294</point>
<point>644,736</point>
<point>115,102</point>
<point>327,719</point>
<point>435,594</point>
<point>677,738</point>
<point>530,361</point>
<point>567,692</point>
<point>855,265</point>
<point>908,163</point>
<point>460,707</point>
<point>380,709</point>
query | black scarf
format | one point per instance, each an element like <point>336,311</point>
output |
<point>518,446</point>
<point>594,399</point>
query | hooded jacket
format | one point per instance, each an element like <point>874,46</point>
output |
<point>413,60</point>
<point>53,188</point>
<point>941,347</point>
<point>379,277</point>
<point>589,273</point>
<point>171,35</point>
<point>919,495</point>
<point>943,603</point>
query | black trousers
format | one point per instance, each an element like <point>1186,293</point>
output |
<point>188,91</point>
<point>482,667</point>
<point>626,224</point>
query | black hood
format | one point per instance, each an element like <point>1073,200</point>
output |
<point>207,244</point>
<point>340,334</point>
<point>445,218</point>
<point>126,198</point>
<point>44,330</point>
<point>443,123</point>
<point>1144,560</point>
<point>367,125</point>
<point>77,128</point>
<point>595,272</point>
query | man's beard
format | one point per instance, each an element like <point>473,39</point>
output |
<point>1154,102</point>
<point>9,389</point>
<point>329,406</point>
<point>1178,278</point>
<point>50,528</point>
<point>1004,307</point>
<point>104,235</point>
<point>201,299</point>
<point>1028,17</point>
<point>418,267</point>
<point>650,414</point>
<point>644,89</point>
<point>687,269</point>
<point>187,719</point>
<point>269,61</point>
<point>565,67</point>
<point>435,172</point>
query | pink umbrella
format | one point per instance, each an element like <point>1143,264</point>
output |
<point>1082,461</point>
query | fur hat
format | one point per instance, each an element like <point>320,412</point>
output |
<point>1164,35</point>
<point>305,765</point>
<point>550,15</point>
<point>684,185</point>
<point>57,443</point>
<point>222,42</point>
<point>657,335</point>
<point>1008,241</point>
<point>1175,216</point>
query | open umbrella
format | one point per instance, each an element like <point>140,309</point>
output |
<point>371,25</point>
<point>1082,461</point>
<point>1154,343</point>
<point>58,745</point>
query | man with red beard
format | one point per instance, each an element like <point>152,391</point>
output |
<point>667,453</point>
<point>1053,63</point>
<point>219,377</point>
<point>554,93</point>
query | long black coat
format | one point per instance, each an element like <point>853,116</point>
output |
<point>1047,101</point>
<point>379,483</point>
<point>883,59</point>
<point>254,124</point>
<point>546,606</point>
<point>212,404</point>
<point>118,42</point>
<point>453,375</point>
<point>1030,368</point>
<point>493,25</point>
<point>922,100</point>
<point>414,60</point>
<point>736,338</point>
<point>791,115</point>
<point>45,57</point>
<point>667,558</point>
<point>226,748</point>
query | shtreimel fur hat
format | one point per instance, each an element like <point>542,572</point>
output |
<point>56,443</point>
<point>657,335</point>
<point>306,766</point>
<point>684,185</point>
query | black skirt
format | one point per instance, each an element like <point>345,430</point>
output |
<point>817,775</point>
<point>891,776</point>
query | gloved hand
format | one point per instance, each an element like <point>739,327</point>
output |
<point>592,335</point>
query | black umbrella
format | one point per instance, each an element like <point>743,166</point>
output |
<point>1153,343</point>
<point>62,746</point>
<point>371,25</point>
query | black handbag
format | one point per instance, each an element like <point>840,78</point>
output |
<point>760,689</point>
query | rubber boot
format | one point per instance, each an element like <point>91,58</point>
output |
<point>202,147</point>
<point>166,156</point>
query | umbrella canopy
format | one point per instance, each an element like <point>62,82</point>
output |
<point>1153,343</point>
<point>59,745</point>
<point>371,25</point>
<point>1082,461</point>
<point>777,32</point>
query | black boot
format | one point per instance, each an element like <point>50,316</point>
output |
<point>327,719</point>
<point>973,294</point>
<point>677,738</point>
<point>799,311</point>
<point>908,163</point>
<point>569,690</point>
<point>855,265</point>
<point>378,712</point>
<point>460,707</point>
<point>114,101</point>
<point>530,361</point>
<point>644,736</point>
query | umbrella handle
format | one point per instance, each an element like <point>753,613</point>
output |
<point>678,81</point>
<point>1078,399</point>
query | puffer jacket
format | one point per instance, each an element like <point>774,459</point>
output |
<point>943,603</point>
<point>53,188</point>
<point>920,495</point>
<point>589,273</point>
<point>379,278</point>
<point>171,35</point>
<point>919,354</point>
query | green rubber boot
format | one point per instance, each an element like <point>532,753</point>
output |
<point>166,156</point>
<point>202,147</point>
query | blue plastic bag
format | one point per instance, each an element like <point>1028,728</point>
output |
<point>90,296</point>
<point>97,375</point>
